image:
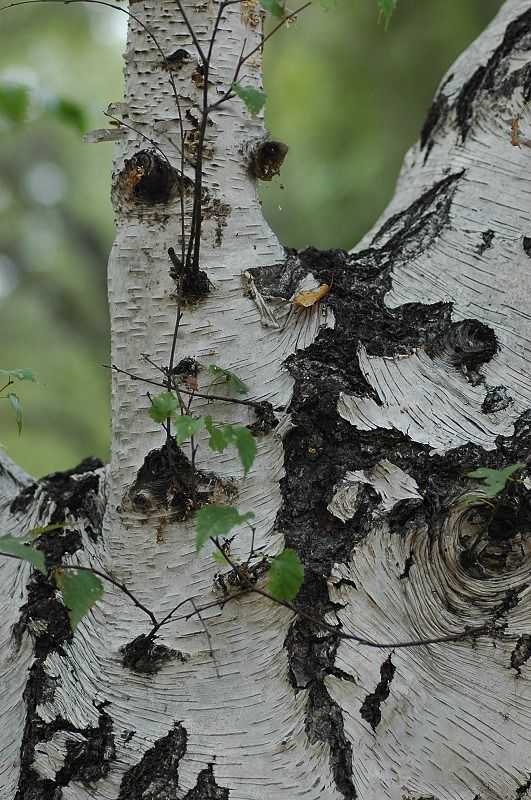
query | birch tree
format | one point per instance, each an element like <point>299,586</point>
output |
<point>378,381</point>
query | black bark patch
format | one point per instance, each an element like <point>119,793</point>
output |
<point>487,237</point>
<point>370,709</point>
<point>156,776</point>
<point>166,480</point>
<point>412,230</point>
<point>521,652</point>
<point>526,244</point>
<point>196,286</point>
<point>324,723</point>
<point>147,178</point>
<point>523,789</point>
<point>492,78</point>
<point>498,543</point>
<point>89,761</point>
<point>267,158</point>
<point>206,787</point>
<point>144,656</point>
<point>496,399</point>
<point>465,344</point>
<point>73,492</point>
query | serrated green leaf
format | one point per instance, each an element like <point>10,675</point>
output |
<point>285,575</point>
<point>69,112</point>
<point>234,383</point>
<point>185,427</point>
<point>80,589</point>
<point>21,374</point>
<point>17,408</point>
<point>274,8</point>
<point>218,441</point>
<point>213,520</point>
<point>253,98</point>
<point>245,444</point>
<point>495,479</point>
<point>20,548</point>
<point>163,406</point>
<point>386,9</point>
<point>14,102</point>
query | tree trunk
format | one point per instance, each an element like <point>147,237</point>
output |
<point>412,371</point>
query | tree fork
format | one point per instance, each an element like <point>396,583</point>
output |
<point>409,373</point>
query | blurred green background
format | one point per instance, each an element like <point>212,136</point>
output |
<point>347,96</point>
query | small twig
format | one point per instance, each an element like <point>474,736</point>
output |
<point>331,628</point>
<point>197,611</point>
<point>104,576</point>
<point>133,376</point>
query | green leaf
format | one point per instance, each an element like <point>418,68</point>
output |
<point>163,406</point>
<point>220,374</point>
<point>185,427</point>
<point>80,590</point>
<point>254,99</point>
<point>21,374</point>
<point>19,547</point>
<point>218,441</point>
<point>495,479</point>
<point>220,558</point>
<point>286,574</point>
<point>17,408</point>
<point>35,532</point>
<point>213,520</point>
<point>274,8</point>
<point>69,112</point>
<point>245,444</point>
<point>386,9</point>
<point>14,102</point>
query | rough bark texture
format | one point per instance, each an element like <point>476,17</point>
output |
<point>413,370</point>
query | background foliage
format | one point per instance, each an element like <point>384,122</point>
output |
<point>346,95</point>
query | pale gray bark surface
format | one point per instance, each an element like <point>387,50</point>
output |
<point>413,370</point>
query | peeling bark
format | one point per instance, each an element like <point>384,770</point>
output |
<point>371,406</point>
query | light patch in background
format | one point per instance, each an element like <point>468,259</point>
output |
<point>8,275</point>
<point>6,196</point>
<point>45,183</point>
<point>40,243</point>
<point>107,26</point>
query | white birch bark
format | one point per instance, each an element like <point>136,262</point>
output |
<point>281,709</point>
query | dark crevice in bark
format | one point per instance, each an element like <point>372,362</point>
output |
<point>492,78</point>
<point>526,244</point>
<point>370,709</point>
<point>206,787</point>
<point>144,656</point>
<point>156,776</point>
<point>434,119</point>
<point>74,492</point>
<point>521,652</point>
